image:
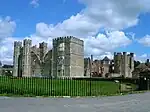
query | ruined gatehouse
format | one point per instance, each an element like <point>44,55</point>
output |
<point>65,59</point>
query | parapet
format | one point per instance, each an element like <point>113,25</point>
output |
<point>124,53</point>
<point>68,39</point>
<point>43,44</point>
<point>62,38</point>
<point>17,44</point>
<point>132,54</point>
<point>34,47</point>
<point>77,40</point>
<point>119,53</point>
<point>27,42</point>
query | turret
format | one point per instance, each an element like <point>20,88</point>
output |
<point>43,50</point>
<point>17,52</point>
<point>117,62</point>
<point>26,58</point>
<point>125,64</point>
<point>131,63</point>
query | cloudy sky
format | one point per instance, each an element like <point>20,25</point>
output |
<point>106,26</point>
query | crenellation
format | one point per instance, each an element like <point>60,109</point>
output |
<point>17,43</point>
<point>132,54</point>
<point>124,64</point>
<point>17,53</point>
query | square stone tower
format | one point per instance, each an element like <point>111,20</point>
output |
<point>67,57</point>
<point>16,58</point>
<point>26,58</point>
<point>124,64</point>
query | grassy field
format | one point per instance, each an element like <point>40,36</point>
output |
<point>48,87</point>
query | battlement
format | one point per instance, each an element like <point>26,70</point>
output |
<point>17,43</point>
<point>34,47</point>
<point>123,53</point>
<point>132,54</point>
<point>43,44</point>
<point>63,38</point>
<point>68,39</point>
<point>77,40</point>
<point>119,53</point>
<point>27,42</point>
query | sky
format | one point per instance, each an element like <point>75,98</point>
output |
<point>106,26</point>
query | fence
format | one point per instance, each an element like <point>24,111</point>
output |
<point>58,87</point>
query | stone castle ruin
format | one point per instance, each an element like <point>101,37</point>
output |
<point>124,64</point>
<point>97,68</point>
<point>66,59</point>
<point>121,66</point>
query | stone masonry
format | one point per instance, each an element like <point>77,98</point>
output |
<point>30,61</point>
<point>68,57</point>
<point>99,68</point>
<point>121,65</point>
<point>65,59</point>
<point>124,64</point>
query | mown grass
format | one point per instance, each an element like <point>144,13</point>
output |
<point>48,87</point>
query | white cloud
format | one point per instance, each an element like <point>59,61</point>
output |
<point>145,40</point>
<point>105,43</point>
<point>109,15</point>
<point>34,3</point>
<point>98,14</point>
<point>6,51</point>
<point>142,57</point>
<point>7,27</point>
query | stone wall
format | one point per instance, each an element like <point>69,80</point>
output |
<point>68,57</point>
<point>30,61</point>
<point>124,64</point>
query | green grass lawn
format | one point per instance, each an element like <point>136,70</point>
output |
<point>48,87</point>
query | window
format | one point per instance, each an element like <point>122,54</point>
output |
<point>61,60</point>
<point>62,47</point>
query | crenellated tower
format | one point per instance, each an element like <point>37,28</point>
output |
<point>43,50</point>
<point>131,63</point>
<point>124,64</point>
<point>26,58</point>
<point>16,55</point>
<point>68,57</point>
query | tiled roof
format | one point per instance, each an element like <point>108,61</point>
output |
<point>142,66</point>
<point>106,59</point>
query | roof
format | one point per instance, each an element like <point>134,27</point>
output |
<point>142,66</point>
<point>146,70</point>
<point>148,64</point>
<point>106,58</point>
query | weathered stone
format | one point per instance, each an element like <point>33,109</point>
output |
<point>65,59</point>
